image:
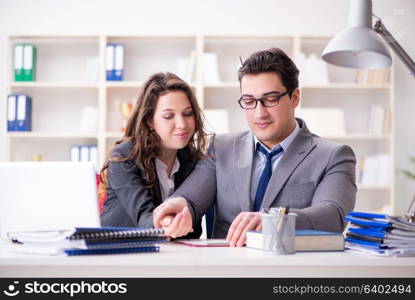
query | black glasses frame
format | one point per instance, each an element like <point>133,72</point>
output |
<point>262,100</point>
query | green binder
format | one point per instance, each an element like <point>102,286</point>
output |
<point>24,62</point>
<point>29,63</point>
<point>18,62</point>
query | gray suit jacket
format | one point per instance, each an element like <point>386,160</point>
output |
<point>315,177</point>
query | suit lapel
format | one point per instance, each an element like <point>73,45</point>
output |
<point>242,165</point>
<point>296,152</point>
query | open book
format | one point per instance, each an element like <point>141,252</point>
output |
<point>204,243</point>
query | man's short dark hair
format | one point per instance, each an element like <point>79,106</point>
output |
<point>272,60</point>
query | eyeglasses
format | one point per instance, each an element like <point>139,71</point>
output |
<point>270,100</point>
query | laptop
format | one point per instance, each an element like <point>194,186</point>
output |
<point>47,196</point>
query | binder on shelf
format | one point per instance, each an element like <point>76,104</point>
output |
<point>75,153</point>
<point>84,153</point>
<point>29,63</point>
<point>93,156</point>
<point>115,62</point>
<point>18,62</point>
<point>119,63</point>
<point>110,61</point>
<point>11,112</point>
<point>24,113</point>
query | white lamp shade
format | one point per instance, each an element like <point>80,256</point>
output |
<point>358,46</point>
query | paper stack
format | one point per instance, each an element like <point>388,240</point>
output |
<point>380,234</point>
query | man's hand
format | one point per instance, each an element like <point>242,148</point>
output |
<point>174,217</point>
<point>243,222</point>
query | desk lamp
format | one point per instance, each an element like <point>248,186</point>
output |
<point>359,47</point>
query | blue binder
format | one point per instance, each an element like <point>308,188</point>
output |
<point>364,222</point>
<point>119,62</point>
<point>11,112</point>
<point>24,113</point>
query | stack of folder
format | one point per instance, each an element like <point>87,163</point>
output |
<point>86,241</point>
<point>380,234</point>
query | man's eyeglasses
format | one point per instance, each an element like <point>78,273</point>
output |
<point>270,100</point>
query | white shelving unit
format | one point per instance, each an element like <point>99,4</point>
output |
<point>354,100</point>
<point>62,91</point>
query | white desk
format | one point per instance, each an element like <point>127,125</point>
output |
<point>182,261</point>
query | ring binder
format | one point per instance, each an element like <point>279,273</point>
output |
<point>380,234</point>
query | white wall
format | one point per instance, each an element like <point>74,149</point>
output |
<point>219,17</point>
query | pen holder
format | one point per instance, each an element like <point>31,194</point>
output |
<point>278,233</point>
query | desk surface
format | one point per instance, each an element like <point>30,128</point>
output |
<point>175,260</point>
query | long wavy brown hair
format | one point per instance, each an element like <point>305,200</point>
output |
<point>146,143</point>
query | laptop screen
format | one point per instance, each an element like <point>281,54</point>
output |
<point>47,196</point>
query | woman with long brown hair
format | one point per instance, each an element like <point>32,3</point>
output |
<point>162,143</point>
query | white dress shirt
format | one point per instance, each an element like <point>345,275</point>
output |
<point>166,182</point>
<point>260,159</point>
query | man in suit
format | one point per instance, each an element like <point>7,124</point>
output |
<point>279,162</point>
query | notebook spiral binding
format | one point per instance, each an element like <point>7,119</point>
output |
<point>117,234</point>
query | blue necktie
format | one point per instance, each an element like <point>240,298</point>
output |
<point>265,175</point>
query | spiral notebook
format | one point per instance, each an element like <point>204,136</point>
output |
<point>85,233</point>
<point>88,240</point>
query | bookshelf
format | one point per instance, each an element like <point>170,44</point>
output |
<point>64,88</point>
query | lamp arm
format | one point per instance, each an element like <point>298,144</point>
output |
<point>396,47</point>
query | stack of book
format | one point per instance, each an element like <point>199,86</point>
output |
<point>84,241</point>
<point>305,240</point>
<point>380,234</point>
<point>378,120</point>
<point>379,76</point>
